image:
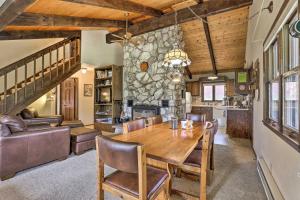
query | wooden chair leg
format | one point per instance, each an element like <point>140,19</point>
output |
<point>212,159</point>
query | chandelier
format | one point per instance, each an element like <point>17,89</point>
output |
<point>176,57</point>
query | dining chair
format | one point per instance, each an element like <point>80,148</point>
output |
<point>133,125</point>
<point>196,117</point>
<point>133,179</point>
<point>154,120</point>
<point>215,130</point>
<point>198,162</point>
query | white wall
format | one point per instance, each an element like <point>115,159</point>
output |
<point>14,50</point>
<point>96,52</point>
<point>85,104</point>
<point>283,161</point>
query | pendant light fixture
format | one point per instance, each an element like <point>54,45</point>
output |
<point>176,57</point>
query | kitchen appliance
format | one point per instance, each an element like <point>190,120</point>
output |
<point>188,102</point>
<point>220,113</point>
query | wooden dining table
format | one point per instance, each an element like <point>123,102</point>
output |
<point>164,146</point>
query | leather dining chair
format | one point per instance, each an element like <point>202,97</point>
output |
<point>133,179</point>
<point>198,162</point>
<point>133,125</point>
<point>196,117</point>
<point>154,120</point>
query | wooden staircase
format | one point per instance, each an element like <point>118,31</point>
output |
<point>26,80</point>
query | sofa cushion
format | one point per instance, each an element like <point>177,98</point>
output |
<point>14,123</point>
<point>4,130</point>
<point>29,113</point>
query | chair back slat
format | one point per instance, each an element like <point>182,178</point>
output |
<point>196,117</point>
<point>119,155</point>
<point>154,120</point>
<point>133,125</point>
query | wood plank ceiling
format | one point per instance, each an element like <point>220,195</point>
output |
<point>227,30</point>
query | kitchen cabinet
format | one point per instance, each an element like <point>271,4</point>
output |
<point>230,88</point>
<point>189,86</point>
<point>239,123</point>
<point>193,88</point>
<point>208,111</point>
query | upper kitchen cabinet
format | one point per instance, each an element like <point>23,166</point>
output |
<point>193,88</point>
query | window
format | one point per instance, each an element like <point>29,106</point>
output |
<point>293,49</point>
<point>274,101</point>
<point>291,102</point>
<point>213,92</point>
<point>282,86</point>
<point>208,93</point>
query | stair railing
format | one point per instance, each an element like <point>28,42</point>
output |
<point>54,62</point>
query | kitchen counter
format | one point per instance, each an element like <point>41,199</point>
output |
<point>238,121</point>
<point>220,107</point>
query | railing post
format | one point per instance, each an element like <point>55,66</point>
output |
<point>5,93</point>
<point>57,73</point>
<point>50,63</point>
<point>70,54</point>
<point>64,57</point>
<point>16,84</point>
<point>43,68</point>
<point>25,88</point>
<point>34,74</point>
<point>75,51</point>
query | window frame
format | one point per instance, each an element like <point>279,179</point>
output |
<point>213,84</point>
<point>288,134</point>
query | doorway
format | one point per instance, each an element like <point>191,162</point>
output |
<point>69,99</point>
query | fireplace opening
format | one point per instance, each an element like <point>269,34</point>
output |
<point>139,111</point>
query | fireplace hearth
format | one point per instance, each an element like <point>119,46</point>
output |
<point>146,111</point>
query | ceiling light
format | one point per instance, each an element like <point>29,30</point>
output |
<point>176,57</point>
<point>212,78</point>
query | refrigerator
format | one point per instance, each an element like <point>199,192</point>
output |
<point>188,102</point>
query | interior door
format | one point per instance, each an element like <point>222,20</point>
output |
<point>69,99</point>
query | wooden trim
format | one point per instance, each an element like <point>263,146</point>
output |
<point>204,9</point>
<point>284,5</point>
<point>21,35</point>
<point>32,19</point>
<point>11,9</point>
<point>219,71</point>
<point>124,5</point>
<point>209,44</point>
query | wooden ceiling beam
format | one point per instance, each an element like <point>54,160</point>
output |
<point>188,72</point>
<point>20,35</point>
<point>124,5</point>
<point>31,19</point>
<point>204,9</point>
<point>11,9</point>
<point>219,71</point>
<point>209,44</point>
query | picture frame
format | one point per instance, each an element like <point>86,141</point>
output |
<point>88,90</point>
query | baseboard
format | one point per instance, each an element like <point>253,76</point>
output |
<point>269,184</point>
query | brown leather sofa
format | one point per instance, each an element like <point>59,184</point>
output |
<point>22,147</point>
<point>31,116</point>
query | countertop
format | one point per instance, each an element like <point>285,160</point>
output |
<point>220,107</point>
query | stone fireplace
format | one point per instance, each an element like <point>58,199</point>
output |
<point>151,87</point>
